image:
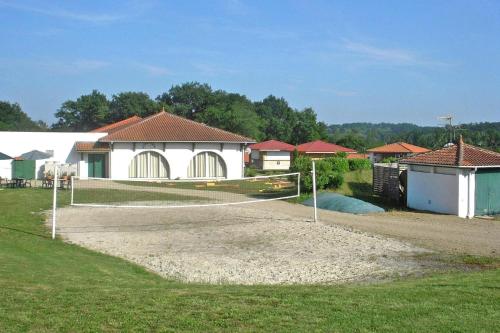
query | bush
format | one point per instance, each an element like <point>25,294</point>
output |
<point>338,164</point>
<point>250,172</point>
<point>359,164</point>
<point>389,160</point>
<point>329,172</point>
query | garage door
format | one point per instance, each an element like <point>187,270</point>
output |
<point>488,192</point>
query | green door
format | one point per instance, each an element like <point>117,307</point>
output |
<point>96,165</point>
<point>487,192</point>
<point>23,169</point>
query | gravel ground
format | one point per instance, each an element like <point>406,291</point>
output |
<point>265,243</point>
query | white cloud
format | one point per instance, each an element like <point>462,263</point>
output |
<point>62,13</point>
<point>155,70</point>
<point>75,67</point>
<point>394,56</point>
<point>213,70</point>
<point>340,93</point>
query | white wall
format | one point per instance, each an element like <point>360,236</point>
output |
<point>466,208</point>
<point>6,169</point>
<point>277,155</point>
<point>433,192</point>
<point>178,156</point>
<point>63,145</point>
<point>442,192</point>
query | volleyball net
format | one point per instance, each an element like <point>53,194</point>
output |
<point>165,193</point>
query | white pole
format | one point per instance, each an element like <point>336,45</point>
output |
<point>314,191</point>
<point>298,185</point>
<point>72,191</point>
<point>54,203</point>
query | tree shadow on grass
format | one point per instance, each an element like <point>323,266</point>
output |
<point>24,232</point>
<point>364,191</point>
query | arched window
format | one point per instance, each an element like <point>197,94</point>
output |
<point>148,164</point>
<point>207,165</point>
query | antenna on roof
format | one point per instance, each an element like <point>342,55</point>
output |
<point>449,119</point>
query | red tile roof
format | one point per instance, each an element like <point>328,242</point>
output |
<point>319,146</point>
<point>166,127</point>
<point>84,146</point>
<point>118,125</point>
<point>459,155</point>
<point>272,145</point>
<point>399,147</point>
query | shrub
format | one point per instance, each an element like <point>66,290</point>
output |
<point>389,160</point>
<point>339,164</point>
<point>250,172</point>
<point>359,164</point>
<point>303,164</point>
<point>329,172</point>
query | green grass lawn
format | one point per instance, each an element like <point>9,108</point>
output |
<point>260,188</point>
<point>48,286</point>
<point>107,196</point>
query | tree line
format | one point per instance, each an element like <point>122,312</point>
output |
<point>271,118</point>
<point>361,136</point>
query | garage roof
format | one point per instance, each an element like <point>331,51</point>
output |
<point>458,155</point>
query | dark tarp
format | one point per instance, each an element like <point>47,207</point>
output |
<point>35,155</point>
<point>341,203</point>
<point>5,157</point>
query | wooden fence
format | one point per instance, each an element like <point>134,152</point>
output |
<point>386,180</point>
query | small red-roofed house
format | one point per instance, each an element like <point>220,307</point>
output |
<point>319,149</point>
<point>271,155</point>
<point>396,150</point>
<point>460,179</point>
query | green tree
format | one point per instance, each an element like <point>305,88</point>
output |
<point>277,118</point>
<point>86,113</point>
<point>234,113</point>
<point>12,118</point>
<point>128,104</point>
<point>188,99</point>
<point>306,128</point>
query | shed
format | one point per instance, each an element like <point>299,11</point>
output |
<point>397,150</point>
<point>271,155</point>
<point>461,179</point>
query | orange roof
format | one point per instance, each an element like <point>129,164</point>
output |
<point>357,155</point>
<point>84,146</point>
<point>399,147</point>
<point>166,127</point>
<point>110,128</point>
<point>319,146</point>
<point>459,155</point>
<point>272,145</point>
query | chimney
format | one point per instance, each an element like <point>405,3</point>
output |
<point>460,151</point>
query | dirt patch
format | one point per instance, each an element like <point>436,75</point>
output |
<point>265,243</point>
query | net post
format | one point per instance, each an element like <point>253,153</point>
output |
<point>72,189</point>
<point>54,202</point>
<point>314,190</point>
<point>298,185</point>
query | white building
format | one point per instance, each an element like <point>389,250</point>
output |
<point>460,179</point>
<point>159,146</point>
<point>271,155</point>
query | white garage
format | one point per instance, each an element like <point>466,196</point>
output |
<point>462,180</point>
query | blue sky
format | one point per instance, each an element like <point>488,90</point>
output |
<point>391,61</point>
